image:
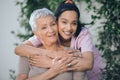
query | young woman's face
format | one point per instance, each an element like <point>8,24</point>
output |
<point>47,29</point>
<point>67,24</point>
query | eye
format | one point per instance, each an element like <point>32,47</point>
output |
<point>74,23</point>
<point>53,24</point>
<point>44,28</point>
<point>64,22</point>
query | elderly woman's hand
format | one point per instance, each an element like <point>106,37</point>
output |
<point>61,65</point>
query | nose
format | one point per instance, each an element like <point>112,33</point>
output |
<point>69,27</point>
<point>50,29</point>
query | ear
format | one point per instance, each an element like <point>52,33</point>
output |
<point>35,32</point>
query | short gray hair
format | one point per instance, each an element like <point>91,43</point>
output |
<point>37,14</point>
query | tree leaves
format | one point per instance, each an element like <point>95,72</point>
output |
<point>109,37</point>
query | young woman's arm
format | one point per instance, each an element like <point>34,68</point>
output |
<point>84,43</point>
<point>27,49</point>
<point>37,56</point>
<point>83,63</point>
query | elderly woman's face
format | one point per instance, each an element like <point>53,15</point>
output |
<point>67,24</point>
<point>47,29</point>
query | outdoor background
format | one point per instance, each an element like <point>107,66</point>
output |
<point>108,40</point>
<point>8,22</point>
<point>9,13</point>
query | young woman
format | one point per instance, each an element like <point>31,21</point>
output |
<point>79,39</point>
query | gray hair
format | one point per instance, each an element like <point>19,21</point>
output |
<point>37,14</point>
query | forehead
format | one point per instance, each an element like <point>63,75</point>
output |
<point>71,14</point>
<point>45,19</point>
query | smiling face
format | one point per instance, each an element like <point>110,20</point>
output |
<point>46,30</point>
<point>67,24</point>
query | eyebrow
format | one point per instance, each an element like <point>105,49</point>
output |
<point>67,20</point>
<point>50,22</point>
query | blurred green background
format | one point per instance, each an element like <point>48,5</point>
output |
<point>103,20</point>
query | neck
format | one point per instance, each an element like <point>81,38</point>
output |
<point>65,42</point>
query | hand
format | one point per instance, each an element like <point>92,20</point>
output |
<point>62,53</point>
<point>75,64</point>
<point>39,60</point>
<point>60,65</point>
<point>69,53</point>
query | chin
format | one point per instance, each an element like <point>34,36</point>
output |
<point>67,38</point>
<point>53,41</point>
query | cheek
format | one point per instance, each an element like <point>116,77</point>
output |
<point>60,27</point>
<point>74,29</point>
<point>56,29</point>
<point>43,38</point>
<point>42,34</point>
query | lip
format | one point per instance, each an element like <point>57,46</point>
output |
<point>52,35</point>
<point>68,33</point>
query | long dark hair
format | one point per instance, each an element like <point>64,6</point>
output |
<point>63,6</point>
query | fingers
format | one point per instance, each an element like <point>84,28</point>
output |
<point>69,65</point>
<point>79,54</point>
<point>33,59</point>
<point>72,51</point>
<point>63,64</point>
<point>55,60</point>
<point>34,56</point>
<point>32,62</point>
<point>75,53</point>
<point>70,69</point>
<point>71,61</point>
<point>61,61</point>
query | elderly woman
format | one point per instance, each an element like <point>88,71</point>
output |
<point>45,28</point>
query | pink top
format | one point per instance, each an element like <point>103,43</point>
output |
<point>84,43</point>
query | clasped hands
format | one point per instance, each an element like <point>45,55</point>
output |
<point>65,60</point>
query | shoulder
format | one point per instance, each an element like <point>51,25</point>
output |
<point>84,32</point>
<point>23,59</point>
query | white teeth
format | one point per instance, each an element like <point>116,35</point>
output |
<point>52,35</point>
<point>68,33</point>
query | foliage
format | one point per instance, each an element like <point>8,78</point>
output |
<point>109,36</point>
<point>27,7</point>
<point>12,74</point>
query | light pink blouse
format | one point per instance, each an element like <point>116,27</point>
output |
<point>84,43</point>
